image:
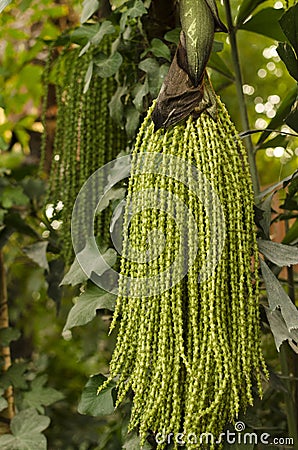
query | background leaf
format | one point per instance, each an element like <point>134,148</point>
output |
<point>39,395</point>
<point>86,306</point>
<point>105,67</point>
<point>89,8</point>
<point>7,335</point>
<point>38,253</point>
<point>92,262</point>
<point>26,429</point>
<point>266,22</point>
<point>289,24</point>
<point>279,254</point>
<point>278,299</point>
<point>246,8</point>
<point>95,404</point>
<point>4,3</point>
<point>288,56</point>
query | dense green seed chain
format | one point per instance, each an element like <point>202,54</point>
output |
<point>191,355</point>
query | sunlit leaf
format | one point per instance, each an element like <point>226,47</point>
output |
<point>4,3</point>
<point>89,8</point>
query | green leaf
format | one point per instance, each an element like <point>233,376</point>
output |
<point>26,429</point>
<point>217,63</point>
<point>133,442</point>
<point>265,222</point>
<point>292,118</point>
<point>116,106</point>
<point>7,335</point>
<point>292,234</point>
<point>288,56</point>
<point>107,66</point>
<point>266,22</point>
<point>14,376</point>
<point>3,4</point>
<point>95,404</point>
<point>281,114</point>
<point>92,261</point>
<point>173,36</point>
<point>28,421</point>
<point>289,24</point>
<point>88,77</point>
<point>106,28</point>
<point>280,330</point>
<point>13,196</point>
<point>278,299</point>
<point>132,121</point>
<point>38,253</point>
<point>40,396</point>
<point>245,10</point>
<point>137,10</point>
<point>89,8</point>
<point>279,254</point>
<point>156,74</point>
<point>118,3</point>
<point>277,141</point>
<point>87,305</point>
<point>139,92</point>
<point>82,35</point>
<point>160,49</point>
<point>111,195</point>
<point>217,46</point>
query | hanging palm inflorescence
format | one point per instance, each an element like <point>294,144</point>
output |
<point>188,345</point>
<point>191,355</point>
<point>85,138</point>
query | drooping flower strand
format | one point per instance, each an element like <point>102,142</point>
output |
<point>191,353</point>
<point>83,142</point>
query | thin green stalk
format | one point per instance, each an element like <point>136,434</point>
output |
<point>241,99</point>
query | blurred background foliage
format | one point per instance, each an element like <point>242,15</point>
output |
<point>38,307</point>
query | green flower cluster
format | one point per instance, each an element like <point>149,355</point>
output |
<point>191,355</point>
<point>85,138</point>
